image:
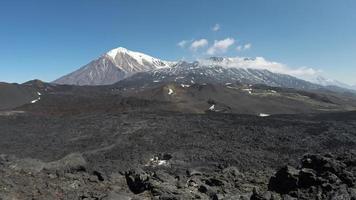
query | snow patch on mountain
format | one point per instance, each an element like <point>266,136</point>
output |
<point>264,115</point>
<point>249,90</point>
<point>140,58</point>
<point>185,86</point>
<point>35,100</point>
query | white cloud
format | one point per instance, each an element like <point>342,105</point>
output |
<point>247,46</point>
<point>244,47</point>
<point>304,71</point>
<point>221,46</point>
<point>239,48</point>
<point>182,43</point>
<point>262,63</point>
<point>216,27</point>
<point>198,44</point>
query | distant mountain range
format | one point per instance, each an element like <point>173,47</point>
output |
<point>121,63</point>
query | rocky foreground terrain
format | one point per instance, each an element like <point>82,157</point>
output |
<point>135,149</point>
<point>316,177</point>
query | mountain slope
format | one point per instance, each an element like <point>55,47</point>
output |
<point>111,67</point>
<point>190,73</point>
<point>14,95</point>
<point>236,98</point>
<point>330,82</point>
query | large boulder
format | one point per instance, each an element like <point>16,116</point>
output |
<point>137,180</point>
<point>285,180</point>
<point>317,177</point>
<point>307,178</point>
<point>322,163</point>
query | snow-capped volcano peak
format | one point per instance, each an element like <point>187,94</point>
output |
<point>140,58</point>
<point>113,66</point>
<point>112,53</point>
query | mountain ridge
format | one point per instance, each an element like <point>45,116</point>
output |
<point>195,72</point>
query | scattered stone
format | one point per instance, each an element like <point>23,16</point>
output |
<point>285,180</point>
<point>99,175</point>
<point>137,181</point>
<point>307,178</point>
<point>214,182</point>
<point>194,172</point>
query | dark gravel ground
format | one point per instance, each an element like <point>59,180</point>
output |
<point>132,138</point>
<point>114,137</point>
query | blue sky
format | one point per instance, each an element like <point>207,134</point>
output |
<point>45,39</point>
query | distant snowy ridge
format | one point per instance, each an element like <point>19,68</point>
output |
<point>186,73</point>
<point>259,63</point>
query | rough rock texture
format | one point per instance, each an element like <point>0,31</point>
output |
<point>69,178</point>
<point>318,177</point>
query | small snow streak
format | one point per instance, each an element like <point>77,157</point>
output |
<point>249,90</point>
<point>170,91</point>
<point>263,115</point>
<point>184,86</point>
<point>34,101</point>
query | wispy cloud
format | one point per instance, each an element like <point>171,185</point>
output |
<point>304,72</point>
<point>221,46</point>
<point>244,47</point>
<point>247,46</point>
<point>197,44</point>
<point>182,43</point>
<point>216,27</point>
